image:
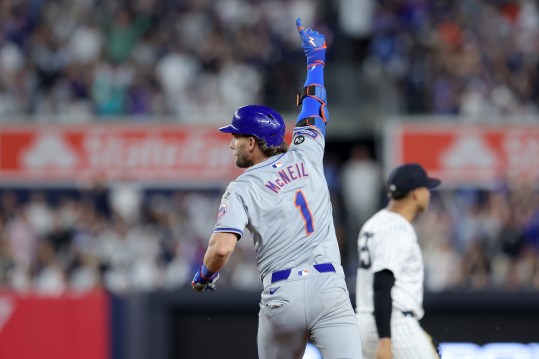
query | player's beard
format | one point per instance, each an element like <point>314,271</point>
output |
<point>243,160</point>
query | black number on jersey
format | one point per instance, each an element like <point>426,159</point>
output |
<point>364,254</point>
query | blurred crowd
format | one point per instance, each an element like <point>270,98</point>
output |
<point>127,238</point>
<point>120,237</point>
<point>192,60</point>
<point>476,58</point>
<point>479,240</point>
<point>72,60</point>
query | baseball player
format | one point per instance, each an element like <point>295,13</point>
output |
<point>389,292</point>
<point>282,198</point>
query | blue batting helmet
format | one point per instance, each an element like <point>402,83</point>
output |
<point>260,121</point>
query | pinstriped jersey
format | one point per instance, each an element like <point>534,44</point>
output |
<point>284,202</point>
<point>388,241</point>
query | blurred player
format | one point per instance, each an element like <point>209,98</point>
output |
<point>389,292</point>
<point>283,200</point>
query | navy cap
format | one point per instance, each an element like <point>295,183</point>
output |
<point>408,177</point>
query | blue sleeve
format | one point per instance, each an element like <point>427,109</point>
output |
<point>312,106</point>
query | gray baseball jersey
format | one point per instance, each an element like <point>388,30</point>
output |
<point>284,202</point>
<point>388,241</point>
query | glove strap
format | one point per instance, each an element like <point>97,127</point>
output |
<point>315,63</point>
<point>311,120</point>
<point>316,56</point>
<point>307,121</point>
<point>317,92</point>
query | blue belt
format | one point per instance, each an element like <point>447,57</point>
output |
<point>285,273</point>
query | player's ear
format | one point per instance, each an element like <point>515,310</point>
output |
<point>252,143</point>
<point>415,194</point>
<point>418,193</point>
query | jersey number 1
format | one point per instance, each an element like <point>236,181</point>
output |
<point>301,203</point>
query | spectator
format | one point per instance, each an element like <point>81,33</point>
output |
<point>73,60</point>
<point>122,30</point>
<point>7,262</point>
<point>50,278</point>
<point>361,180</point>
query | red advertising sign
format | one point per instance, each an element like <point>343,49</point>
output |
<point>66,327</point>
<point>142,152</point>
<point>465,154</point>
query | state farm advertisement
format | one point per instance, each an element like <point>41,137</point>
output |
<point>462,154</point>
<point>143,152</point>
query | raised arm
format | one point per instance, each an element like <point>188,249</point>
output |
<point>312,97</point>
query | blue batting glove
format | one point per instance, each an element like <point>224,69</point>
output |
<point>204,279</point>
<point>313,44</point>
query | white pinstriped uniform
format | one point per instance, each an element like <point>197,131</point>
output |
<point>388,241</point>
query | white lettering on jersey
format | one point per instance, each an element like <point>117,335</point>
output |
<point>306,131</point>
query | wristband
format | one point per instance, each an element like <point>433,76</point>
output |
<point>206,273</point>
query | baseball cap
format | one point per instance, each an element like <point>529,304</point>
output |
<point>408,177</point>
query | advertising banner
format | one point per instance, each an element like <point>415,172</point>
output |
<point>65,327</point>
<point>462,154</point>
<point>143,152</point>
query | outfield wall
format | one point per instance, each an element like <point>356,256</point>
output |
<point>223,324</point>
